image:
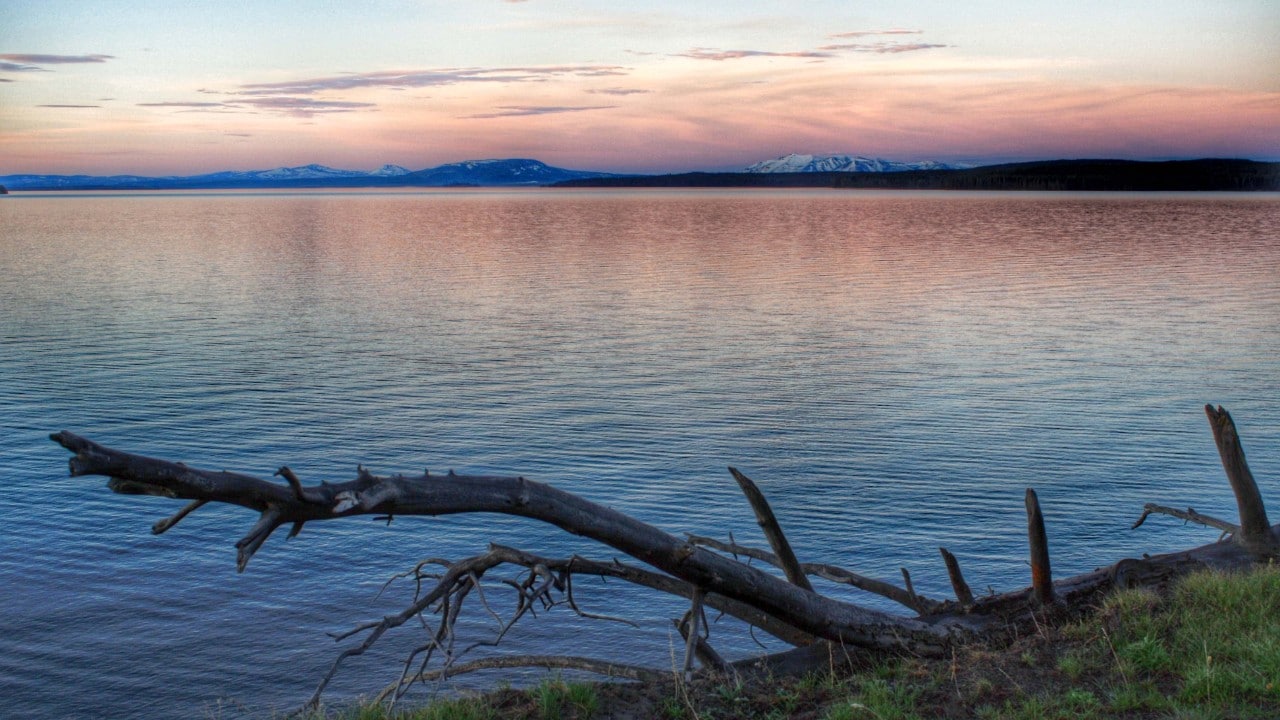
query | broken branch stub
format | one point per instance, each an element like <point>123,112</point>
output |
<point>963,594</point>
<point>772,531</point>
<point>1255,530</point>
<point>1041,574</point>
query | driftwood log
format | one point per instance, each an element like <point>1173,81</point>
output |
<point>709,573</point>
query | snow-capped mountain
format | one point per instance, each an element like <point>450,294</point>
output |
<point>390,171</point>
<point>795,163</point>
<point>306,172</point>
<point>302,172</point>
<point>515,171</point>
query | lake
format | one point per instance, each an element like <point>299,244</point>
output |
<point>892,368</point>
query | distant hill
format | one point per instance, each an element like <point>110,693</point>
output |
<point>1177,175</point>
<point>508,172</point>
<point>794,163</point>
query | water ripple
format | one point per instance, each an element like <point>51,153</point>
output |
<point>893,369</point>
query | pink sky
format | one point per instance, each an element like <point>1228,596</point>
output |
<point>119,87</point>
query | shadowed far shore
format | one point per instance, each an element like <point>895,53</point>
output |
<point>1066,175</point>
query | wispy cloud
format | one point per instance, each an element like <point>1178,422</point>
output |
<point>720,55</point>
<point>521,110</point>
<point>303,107</point>
<point>31,62</point>
<point>867,33</point>
<point>183,104</point>
<point>19,67</point>
<point>619,91</point>
<point>291,106</point>
<point>882,48</point>
<point>69,106</point>
<point>39,59</point>
<point>428,78</point>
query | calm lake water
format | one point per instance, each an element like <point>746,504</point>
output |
<point>894,369</point>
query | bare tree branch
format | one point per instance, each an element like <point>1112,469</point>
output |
<point>1189,515</point>
<point>772,531</point>
<point>827,572</point>
<point>434,495</point>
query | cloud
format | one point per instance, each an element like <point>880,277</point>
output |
<point>38,59</point>
<point>291,106</point>
<point>31,62</point>
<point>5,80</point>
<point>521,110</point>
<point>69,106</point>
<point>719,55</point>
<point>619,91</point>
<point>865,33</point>
<point>302,107</point>
<point>881,47</point>
<point>427,78</point>
<point>19,67</point>
<point>182,104</point>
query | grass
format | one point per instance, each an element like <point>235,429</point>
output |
<point>1209,649</point>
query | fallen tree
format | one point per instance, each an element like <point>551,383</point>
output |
<point>709,573</point>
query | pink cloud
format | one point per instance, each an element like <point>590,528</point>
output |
<point>522,110</point>
<point>721,55</point>
<point>867,33</point>
<point>428,78</point>
<point>881,47</point>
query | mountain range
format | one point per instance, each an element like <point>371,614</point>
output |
<point>486,173</point>
<point>506,172</point>
<point>846,171</point>
<point>794,163</point>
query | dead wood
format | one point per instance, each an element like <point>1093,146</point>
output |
<point>963,594</point>
<point>1190,515</point>
<point>440,495</point>
<point>692,568</point>
<point>1255,532</point>
<point>909,599</point>
<point>772,531</point>
<point>1038,540</point>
